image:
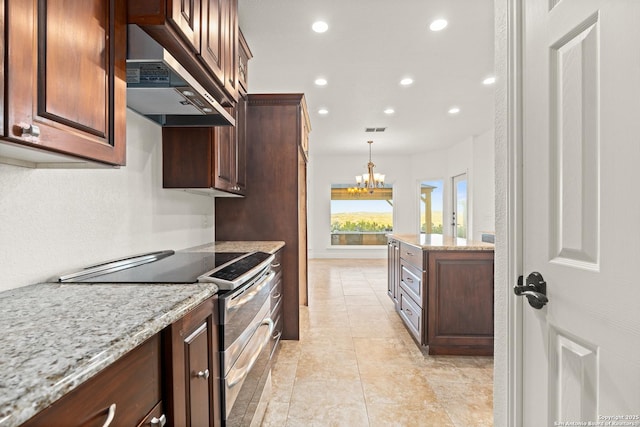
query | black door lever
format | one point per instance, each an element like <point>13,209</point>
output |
<point>535,290</point>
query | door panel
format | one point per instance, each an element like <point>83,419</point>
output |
<point>185,14</point>
<point>85,66</point>
<point>574,146</point>
<point>213,37</point>
<point>581,219</point>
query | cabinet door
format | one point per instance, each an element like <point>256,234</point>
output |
<point>193,374</point>
<point>393,266</point>
<point>241,145</point>
<point>224,148</point>
<point>460,302</point>
<point>196,348</point>
<point>231,51</point>
<point>213,37</point>
<point>65,77</point>
<point>185,15</point>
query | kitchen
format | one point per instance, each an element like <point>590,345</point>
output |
<point>107,213</point>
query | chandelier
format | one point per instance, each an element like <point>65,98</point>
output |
<point>370,180</point>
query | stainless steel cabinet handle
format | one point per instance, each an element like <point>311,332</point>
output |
<point>110,416</point>
<point>409,279</point>
<point>203,374</point>
<point>159,421</point>
<point>29,129</point>
<point>409,253</point>
<point>275,265</point>
<point>276,296</point>
<point>409,312</point>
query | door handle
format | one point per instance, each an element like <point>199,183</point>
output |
<point>535,289</point>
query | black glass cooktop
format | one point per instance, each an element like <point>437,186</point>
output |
<point>179,267</point>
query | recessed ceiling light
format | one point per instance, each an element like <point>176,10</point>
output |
<point>489,80</point>
<point>389,111</point>
<point>321,82</point>
<point>438,24</point>
<point>406,81</point>
<point>454,110</point>
<point>323,111</point>
<point>320,26</point>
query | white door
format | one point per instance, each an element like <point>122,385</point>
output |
<point>460,193</point>
<point>581,211</point>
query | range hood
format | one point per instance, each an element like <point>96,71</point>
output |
<point>161,89</point>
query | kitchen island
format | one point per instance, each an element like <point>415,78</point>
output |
<point>57,337</point>
<point>442,289</point>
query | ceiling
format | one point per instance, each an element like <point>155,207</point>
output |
<point>369,47</point>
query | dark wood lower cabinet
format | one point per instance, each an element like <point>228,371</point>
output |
<point>173,376</point>
<point>460,302</point>
<point>444,297</point>
<point>192,374</point>
<point>129,389</point>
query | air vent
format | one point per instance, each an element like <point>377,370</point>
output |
<point>375,129</point>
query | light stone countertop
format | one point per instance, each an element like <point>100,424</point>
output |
<point>438,242</point>
<point>54,337</point>
<point>239,246</point>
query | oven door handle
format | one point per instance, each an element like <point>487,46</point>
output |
<point>238,375</point>
<point>243,298</point>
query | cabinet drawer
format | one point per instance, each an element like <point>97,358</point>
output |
<point>155,418</point>
<point>411,281</point>
<point>412,254</point>
<point>132,384</point>
<point>411,314</point>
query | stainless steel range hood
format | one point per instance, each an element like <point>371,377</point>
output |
<point>161,89</point>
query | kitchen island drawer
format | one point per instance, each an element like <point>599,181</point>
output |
<point>411,280</point>
<point>411,314</point>
<point>124,392</point>
<point>412,254</point>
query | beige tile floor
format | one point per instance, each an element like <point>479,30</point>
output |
<point>356,364</point>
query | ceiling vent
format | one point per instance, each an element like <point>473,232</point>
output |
<point>374,129</point>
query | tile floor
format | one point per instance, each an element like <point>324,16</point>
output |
<point>356,364</point>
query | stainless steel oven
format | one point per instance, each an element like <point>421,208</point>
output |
<point>245,331</point>
<point>246,281</point>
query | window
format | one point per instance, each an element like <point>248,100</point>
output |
<point>359,217</point>
<point>431,201</point>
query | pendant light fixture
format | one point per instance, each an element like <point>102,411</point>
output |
<point>370,180</point>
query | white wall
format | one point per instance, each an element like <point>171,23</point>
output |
<point>473,156</point>
<point>52,221</point>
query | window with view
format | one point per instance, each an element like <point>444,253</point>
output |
<point>359,217</point>
<point>431,201</point>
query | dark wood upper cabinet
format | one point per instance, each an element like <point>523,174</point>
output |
<point>201,34</point>
<point>244,55</point>
<point>213,48</point>
<point>63,87</point>
<point>206,158</point>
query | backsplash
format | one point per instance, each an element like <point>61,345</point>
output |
<point>55,220</point>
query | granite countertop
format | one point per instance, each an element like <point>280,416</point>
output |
<point>239,246</point>
<point>438,242</point>
<point>53,337</point>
